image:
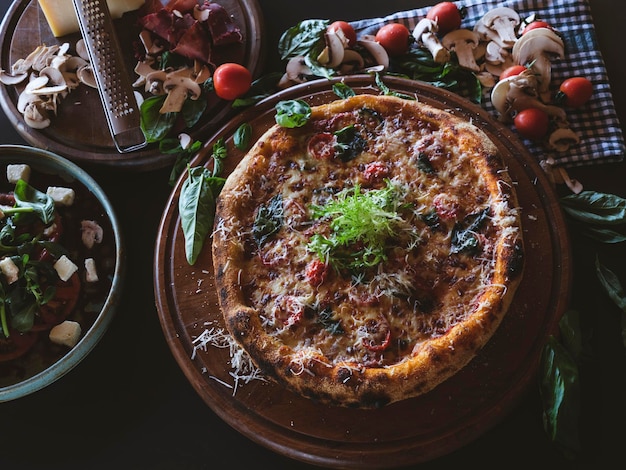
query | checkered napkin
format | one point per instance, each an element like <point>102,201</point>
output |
<point>597,124</point>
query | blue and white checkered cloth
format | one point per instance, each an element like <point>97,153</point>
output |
<point>597,124</point>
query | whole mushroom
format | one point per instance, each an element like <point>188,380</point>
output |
<point>499,25</point>
<point>425,34</point>
<point>463,42</point>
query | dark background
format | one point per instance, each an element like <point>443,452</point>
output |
<point>128,405</point>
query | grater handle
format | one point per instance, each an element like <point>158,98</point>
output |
<point>114,85</point>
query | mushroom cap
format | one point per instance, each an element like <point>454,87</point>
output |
<point>425,25</point>
<point>461,35</point>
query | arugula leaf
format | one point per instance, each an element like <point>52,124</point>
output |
<point>28,199</point>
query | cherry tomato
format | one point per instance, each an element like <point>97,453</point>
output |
<point>58,308</point>
<point>575,91</point>
<point>447,16</point>
<point>16,345</point>
<point>347,29</point>
<point>512,71</point>
<point>394,37</point>
<point>231,81</point>
<point>532,123</point>
<point>535,25</point>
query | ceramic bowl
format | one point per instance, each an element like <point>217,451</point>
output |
<point>46,361</point>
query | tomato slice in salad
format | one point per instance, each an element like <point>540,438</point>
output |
<point>16,345</point>
<point>59,308</point>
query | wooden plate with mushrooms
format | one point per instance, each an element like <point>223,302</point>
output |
<point>77,125</point>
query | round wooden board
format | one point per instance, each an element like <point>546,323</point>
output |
<point>404,433</point>
<point>79,132</point>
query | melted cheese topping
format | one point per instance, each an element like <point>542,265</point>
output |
<point>381,316</point>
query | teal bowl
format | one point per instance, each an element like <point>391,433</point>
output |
<point>46,363</point>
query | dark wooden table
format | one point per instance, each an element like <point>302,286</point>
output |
<point>129,406</point>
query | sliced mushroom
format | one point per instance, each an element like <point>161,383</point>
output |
<point>332,54</point>
<point>463,42</point>
<point>377,52</point>
<point>11,79</point>
<point>539,47</point>
<point>499,25</point>
<point>179,86</point>
<point>562,139</point>
<point>352,61</point>
<point>425,34</point>
<point>297,70</point>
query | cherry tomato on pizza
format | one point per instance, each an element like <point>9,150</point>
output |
<point>575,91</point>
<point>347,30</point>
<point>532,123</point>
<point>231,80</point>
<point>447,16</point>
<point>394,37</point>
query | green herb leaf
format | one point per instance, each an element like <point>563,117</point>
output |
<point>611,284</point>
<point>28,199</point>
<point>242,135</point>
<point>595,208</point>
<point>196,206</point>
<point>464,237</point>
<point>292,113</point>
<point>301,38</point>
<point>155,125</point>
<point>261,88</point>
<point>560,396</point>
<point>342,90</point>
<point>350,144</point>
<point>268,220</point>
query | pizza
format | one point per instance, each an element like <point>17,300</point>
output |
<point>368,255</point>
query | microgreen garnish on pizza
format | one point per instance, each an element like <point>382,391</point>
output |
<point>368,254</point>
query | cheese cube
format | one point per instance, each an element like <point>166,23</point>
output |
<point>61,16</point>
<point>9,269</point>
<point>61,196</point>
<point>65,268</point>
<point>66,333</point>
<point>18,172</point>
<point>91,275</point>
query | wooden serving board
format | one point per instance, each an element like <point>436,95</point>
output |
<point>79,132</point>
<point>404,433</point>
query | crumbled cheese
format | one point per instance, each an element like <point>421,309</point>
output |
<point>18,172</point>
<point>61,196</point>
<point>9,269</point>
<point>91,274</point>
<point>66,333</point>
<point>65,268</point>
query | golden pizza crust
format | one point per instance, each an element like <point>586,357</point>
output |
<point>438,308</point>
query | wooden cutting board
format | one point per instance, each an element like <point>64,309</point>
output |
<point>404,433</point>
<point>79,131</point>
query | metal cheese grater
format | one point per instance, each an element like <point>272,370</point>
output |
<point>114,85</point>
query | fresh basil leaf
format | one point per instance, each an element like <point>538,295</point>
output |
<point>292,113</point>
<point>350,144</point>
<point>155,125</point>
<point>595,208</point>
<point>385,90</point>
<point>196,205</point>
<point>601,234</point>
<point>261,88</point>
<point>611,284</point>
<point>193,110</point>
<point>560,396</point>
<point>342,90</point>
<point>301,38</point>
<point>242,135</point>
<point>464,239</point>
<point>268,220</point>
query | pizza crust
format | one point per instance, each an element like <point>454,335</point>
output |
<point>437,314</point>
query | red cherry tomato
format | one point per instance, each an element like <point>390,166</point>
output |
<point>231,81</point>
<point>575,91</point>
<point>347,29</point>
<point>512,71</point>
<point>535,25</point>
<point>394,37</point>
<point>447,16</point>
<point>532,123</point>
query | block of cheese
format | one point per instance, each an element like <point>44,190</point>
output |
<point>61,16</point>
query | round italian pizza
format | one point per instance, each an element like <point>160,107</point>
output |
<point>367,254</point>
